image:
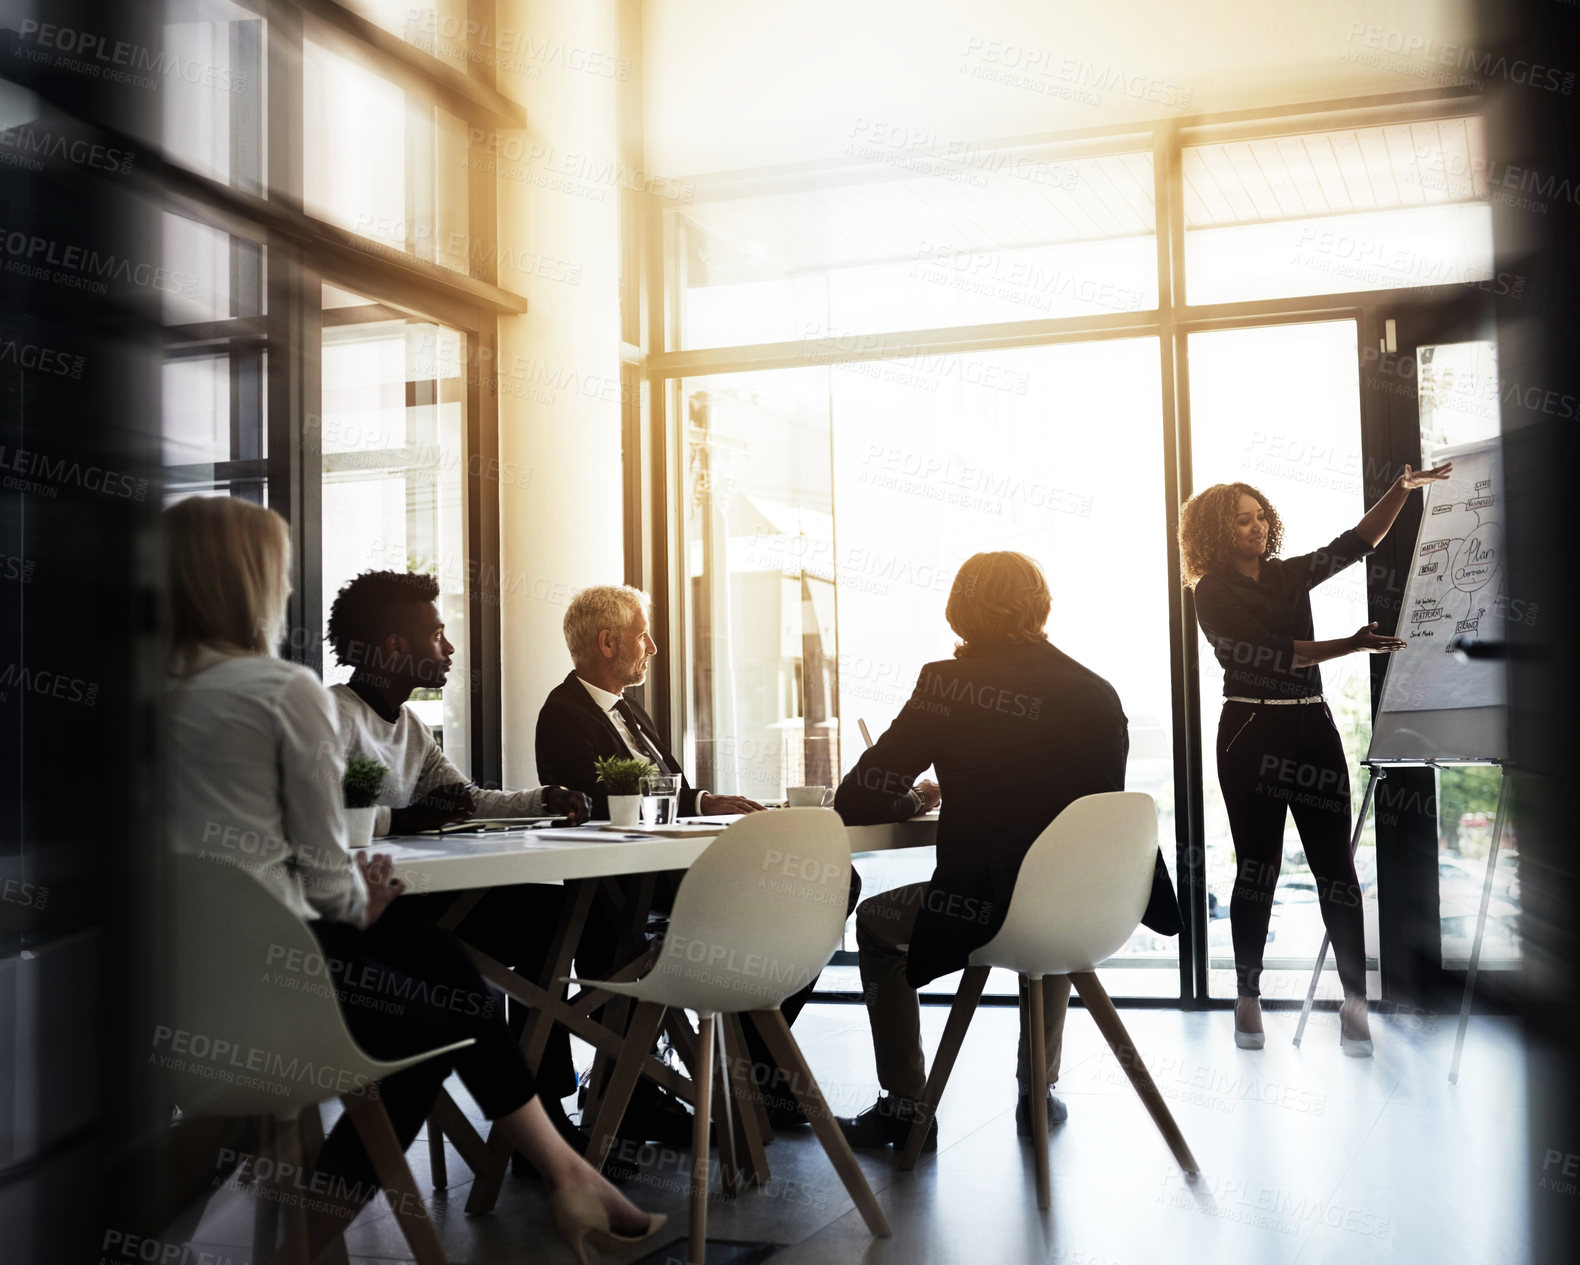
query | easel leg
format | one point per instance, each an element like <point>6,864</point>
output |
<point>1481,926</point>
<point>1374,775</point>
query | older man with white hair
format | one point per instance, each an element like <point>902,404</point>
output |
<point>587,715</point>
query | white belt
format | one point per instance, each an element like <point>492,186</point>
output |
<point>1275,702</point>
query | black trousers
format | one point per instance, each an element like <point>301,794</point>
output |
<point>407,989</point>
<point>1273,760</point>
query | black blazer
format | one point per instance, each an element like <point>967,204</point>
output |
<point>573,732</point>
<point>1015,733</point>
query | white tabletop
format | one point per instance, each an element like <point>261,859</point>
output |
<point>459,861</point>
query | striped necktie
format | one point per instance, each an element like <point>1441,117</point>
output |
<point>648,748</point>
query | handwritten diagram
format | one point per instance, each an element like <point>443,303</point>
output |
<point>1456,586</point>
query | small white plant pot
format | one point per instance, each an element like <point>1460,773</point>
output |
<point>359,826</point>
<point>625,810</point>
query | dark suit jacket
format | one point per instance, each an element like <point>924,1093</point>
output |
<point>1015,735</point>
<point>573,732</point>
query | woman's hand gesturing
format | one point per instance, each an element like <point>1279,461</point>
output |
<point>1420,478</point>
<point>1367,638</point>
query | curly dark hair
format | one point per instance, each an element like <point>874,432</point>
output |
<point>997,599</point>
<point>369,608</point>
<point>1207,529</point>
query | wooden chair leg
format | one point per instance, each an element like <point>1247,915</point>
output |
<point>683,1039</point>
<point>293,1245</point>
<point>449,1121</point>
<point>1039,1090</point>
<point>266,1212</point>
<point>698,1253</point>
<point>645,1021</point>
<point>752,1120</point>
<point>372,1124</point>
<point>438,1166</point>
<point>311,1125</point>
<point>1106,1017</point>
<point>785,1051</point>
<point>723,1114</point>
<point>489,1164</point>
<point>972,981</point>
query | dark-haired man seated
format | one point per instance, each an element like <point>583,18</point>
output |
<point>387,627</point>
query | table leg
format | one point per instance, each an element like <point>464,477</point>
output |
<point>751,1118</point>
<point>535,1036</point>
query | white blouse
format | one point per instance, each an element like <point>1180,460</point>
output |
<point>255,779</point>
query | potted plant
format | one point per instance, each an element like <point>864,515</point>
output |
<point>363,781</point>
<point>621,777</point>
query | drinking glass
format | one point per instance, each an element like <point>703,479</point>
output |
<point>660,799</point>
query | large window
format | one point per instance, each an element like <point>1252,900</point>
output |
<point>828,510</point>
<point>867,376</point>
<point>983,239</point>
<point>394,486</point>
<point>1399,207</point>
<point>325,359</point>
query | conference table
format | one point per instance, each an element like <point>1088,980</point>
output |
<point>588,860</point>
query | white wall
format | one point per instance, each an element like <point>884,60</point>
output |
<point>559,364</point>
<point>733,84</point>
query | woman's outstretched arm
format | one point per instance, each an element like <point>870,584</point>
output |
<point>1375,523</point>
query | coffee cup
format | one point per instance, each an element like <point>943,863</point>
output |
<point>808,796</point>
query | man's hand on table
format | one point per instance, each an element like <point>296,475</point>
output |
<point>723,805</point>
<point>382,889</point>
<point>435,808</point>
<point>572,805</point>
<point>929,794</point>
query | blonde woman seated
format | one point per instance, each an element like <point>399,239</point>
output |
<point>254,754</point>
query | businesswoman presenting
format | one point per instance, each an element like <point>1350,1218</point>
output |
<point>1278,747</point>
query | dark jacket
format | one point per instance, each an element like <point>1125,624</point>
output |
<point>1015,734</point>
<point>573,732</point>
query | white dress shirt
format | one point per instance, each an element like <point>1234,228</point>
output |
<point>606,701</point>
<point>255,780</point>
<point>416,764</point>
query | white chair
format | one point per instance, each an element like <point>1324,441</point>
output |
<point>756,918</point>
<point>1079,895</point>
<point>254,1030</point>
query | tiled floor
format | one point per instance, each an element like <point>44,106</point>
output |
<point>1307,1156</point>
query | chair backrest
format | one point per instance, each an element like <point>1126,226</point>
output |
<point>1082,888</point>
<point>757,915</point>
<point>250,1024</point>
